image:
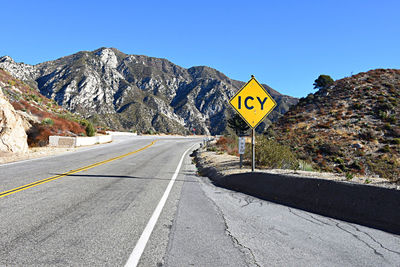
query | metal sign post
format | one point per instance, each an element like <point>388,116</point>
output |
<point>253,149</point>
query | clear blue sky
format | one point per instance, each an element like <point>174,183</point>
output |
<point>285,44</point>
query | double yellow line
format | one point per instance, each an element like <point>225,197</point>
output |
<point>52,178</point>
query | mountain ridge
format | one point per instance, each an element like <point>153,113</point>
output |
<point>137,92</point>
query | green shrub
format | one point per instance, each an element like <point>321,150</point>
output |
<point>304,166</point>
<point>356,165</point>
<point>271,154</point>
<point>339,160</point>
<point>357,106</point>
<point>35,98</point>
<point>90,131</point>
<point>384,169</point>
<point>385,106</point>
<point>368,135</point>
<point>212,148</point>
<point>82,122</point>
<point>387,126</point>
<point>385,149</point>
<point>150,132</point>
<point>48,121</point>
<point>349,176</point>
<point>323,82</point>
<point>382,115</point>
<point>392,119</point>
<point>310,96</point>
<point>329,149</point>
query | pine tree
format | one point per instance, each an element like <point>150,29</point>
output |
<point>323,82</point>
<point>238,124</point>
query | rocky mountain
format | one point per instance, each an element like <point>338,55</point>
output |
<point>39,116</point>
<point>139,93</point>
<point>352,127</point>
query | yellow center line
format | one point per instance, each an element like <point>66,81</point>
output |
<point>55,177</point>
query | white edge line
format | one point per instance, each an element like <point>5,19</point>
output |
<point>144,238</point>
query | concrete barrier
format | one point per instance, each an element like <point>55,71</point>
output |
<point>65,141</point>
<point>371,206</point>
<point>62,141</point>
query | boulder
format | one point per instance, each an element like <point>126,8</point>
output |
<point>13,137</point>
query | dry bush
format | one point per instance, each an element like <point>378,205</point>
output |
<point>271,154</point>
<point>101,132</point>
<point>233,150</point>
<point>37,112</point>
<point>64,125</point>
<point>60,124</point>
<point>76,128</point>
<point>385,167</point>
<point>222,141</point>
<point>17,105</point>
<point>228,144</point>
<point>324,125</point>
<point>38,135</point>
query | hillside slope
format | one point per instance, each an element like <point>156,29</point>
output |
<point>134,92</point>
<point>41,116</point>
<point>353,126</point>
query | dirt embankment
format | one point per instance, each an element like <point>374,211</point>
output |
<point>224,164</point>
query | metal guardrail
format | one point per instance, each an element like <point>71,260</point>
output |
<point>206,142</point>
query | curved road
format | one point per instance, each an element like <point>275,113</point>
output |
<point>98,207</point>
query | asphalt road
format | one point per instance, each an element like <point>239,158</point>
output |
<point>96,216</point>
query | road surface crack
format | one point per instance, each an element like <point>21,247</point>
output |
<point>304,218</point>
<point>359,239</point>
<point>319,220</point>
<point>248,202</point>
<point>235,241</point>
<point>247,199</point>
<point>374,240</point>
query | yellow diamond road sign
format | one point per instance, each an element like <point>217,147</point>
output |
<point>253,102</point>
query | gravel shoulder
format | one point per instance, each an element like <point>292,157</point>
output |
<point>225,164</point>
<point>34,153</point>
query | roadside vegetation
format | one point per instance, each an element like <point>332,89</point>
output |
<point>269,153</point>
<point>43,116</point>
<point>350,126</point>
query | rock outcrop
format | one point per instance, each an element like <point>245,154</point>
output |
<point>12,133</point>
